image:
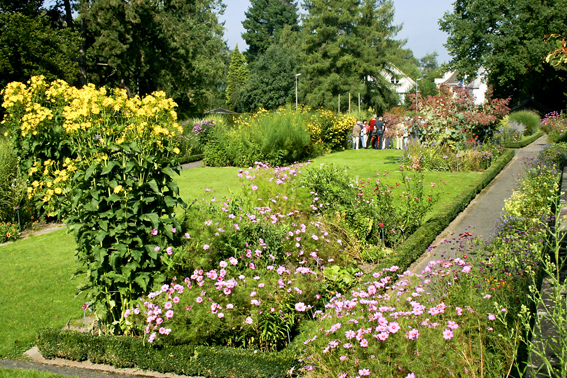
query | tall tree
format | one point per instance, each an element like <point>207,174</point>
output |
<point>30,46</point>
<point>272,79</point>
<point>237,77</point>
<point>507,39</point>
<point>143,46</point>
<point>346,45</point>
<point>265,19</point>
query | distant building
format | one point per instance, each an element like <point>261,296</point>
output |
<point>477,87</point>
<point>402,83</point>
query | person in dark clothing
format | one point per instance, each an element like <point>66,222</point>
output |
<point>379,127</point>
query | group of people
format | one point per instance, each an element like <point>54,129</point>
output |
<point>378,135</point>
<point>369,135</point>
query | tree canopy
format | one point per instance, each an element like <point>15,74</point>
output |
<point>237,77</point>
<point>507,39</point>
<point>345,50</point>
<point>265,20</point>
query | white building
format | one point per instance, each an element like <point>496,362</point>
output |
<point>477,87</point>
<point>401,83</point>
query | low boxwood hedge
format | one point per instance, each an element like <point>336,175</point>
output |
<point>424,236</point>
<point>190,159</point>
<point>191,360</point>
<point>524,142</point>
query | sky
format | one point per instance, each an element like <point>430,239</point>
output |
<point>419,19</point>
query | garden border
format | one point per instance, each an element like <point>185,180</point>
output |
<point>424,236</point>
<point>524,142</point>
<point>190,360</point>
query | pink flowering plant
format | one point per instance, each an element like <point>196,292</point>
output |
<point>435,324</point>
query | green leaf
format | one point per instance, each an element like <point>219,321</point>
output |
<point>152,217</point>
<point>103,224</point>
<point>153,185</point>
<point>109,167</point>
<point>90,171</point>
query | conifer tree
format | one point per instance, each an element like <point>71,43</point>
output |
<point>237,76</point>
<point>265,19</point>
<point>346,44</point>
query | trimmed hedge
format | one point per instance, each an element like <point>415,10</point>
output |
<point>424,236</point>
<point>524,142</point>
<point>190,159</point>
<point>191,360</point>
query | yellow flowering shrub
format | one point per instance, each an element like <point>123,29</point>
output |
<point>107,163</point>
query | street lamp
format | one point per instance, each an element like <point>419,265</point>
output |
<point>296,75</point>
<point>416,103</point>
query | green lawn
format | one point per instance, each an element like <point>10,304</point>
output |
<point>360,163</point>
<point>17,373</point>
<point>36,289</point>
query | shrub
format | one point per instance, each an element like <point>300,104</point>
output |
<point>452,118</point>
<point>9,232</point>
<point>115,183</point>
<point>12,185</point>
<point>476,157</point>
<point>528,119</point>
<point>555,125</point>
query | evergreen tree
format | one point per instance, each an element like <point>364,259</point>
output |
<point>265,19</point>
<point>272,79</point>
<point>237,76</point>
<point>346,45</point>
<point>143,46</point>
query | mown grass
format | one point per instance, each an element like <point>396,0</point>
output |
<point>37,291</point>
<point>17,373</point>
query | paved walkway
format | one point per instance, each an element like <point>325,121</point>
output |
<point>482,214</point>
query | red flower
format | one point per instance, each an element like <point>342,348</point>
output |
<point>381,224</point>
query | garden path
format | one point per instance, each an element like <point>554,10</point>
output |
<point>482,214</point>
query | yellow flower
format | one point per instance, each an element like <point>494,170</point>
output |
<point>58,190</point>
<point>118,189</point>
<point>176,150</point>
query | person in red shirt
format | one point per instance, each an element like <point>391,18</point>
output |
<point>371,135</point>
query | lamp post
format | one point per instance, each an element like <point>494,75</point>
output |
<point>416,103</point>
<point>296,75</point>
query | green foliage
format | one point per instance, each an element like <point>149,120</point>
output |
<point>237,77</point>
<point>264,22</point>
<point>276,138</point>
<point>191,360</point>
<point>19,373</point>
<point>507,39</point>
<point>523,142</point>
<point>29,46</point>
<point>9,232</point>
<point>424,236</point>
<point>344,43</point>
<point>473,157</point>
<point>529,119</point>
<point>12,184</point>
<point>272,80</point>
<point>174,46</point>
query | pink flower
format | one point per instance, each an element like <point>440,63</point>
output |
<point>174,230</point>
<point>363,372</point>
<point>248,320</point>
<point>487,296</point>
<point>350,334</point>
<point>364,343</point>
<point>169,250</point>
<point>410,375</point>
<point>254,187</point>
<point>187,235</point>
<point>451,324</point>
<point>207,190</point>
<point>169,314</point>
<point>300,307</point>
<point>491,317</point>
<point>223,264</point>
<point>154,232</point>
<point>230,306</point>
<point>168,305</point>
<point>393,327</point>
<point>233,261</point>
<point>447,334</point>
<point>413,334</point>
<point>314,237</point>
<point>199,299</point>
<point>343,358</point>
<point>157,248</point>
<point>220,315</point>
<point>206,246</point>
